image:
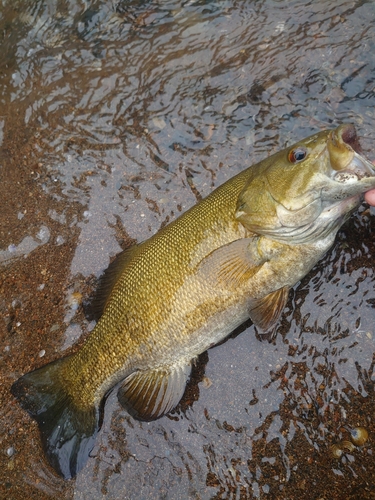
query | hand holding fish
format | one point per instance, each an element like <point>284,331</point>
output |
<point>370,197</point>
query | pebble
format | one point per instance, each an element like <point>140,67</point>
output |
<point>207,382</point>
<point>75,300</point>
<point>60,240</point>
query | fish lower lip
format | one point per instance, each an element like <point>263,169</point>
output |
<point>346,177</point>
<point>362,167</point>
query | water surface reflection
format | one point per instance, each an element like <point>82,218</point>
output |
<point>118,116</point>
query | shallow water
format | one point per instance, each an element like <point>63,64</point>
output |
<point>118,116</point>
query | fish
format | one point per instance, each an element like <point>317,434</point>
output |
<point>233,256</point>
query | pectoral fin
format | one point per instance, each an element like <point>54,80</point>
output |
<point>150,394</point>
<point>233,264</point>
<point>265,312</point>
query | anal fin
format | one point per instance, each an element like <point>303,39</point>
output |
<point>265,312</point>
<point>150,394</point>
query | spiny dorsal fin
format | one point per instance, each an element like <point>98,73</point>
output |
<point>150,394</point>
<point>265,312</point>
<point>233,264</point>
<point>107,281</point>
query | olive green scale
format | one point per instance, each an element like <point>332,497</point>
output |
<point>129,335</point>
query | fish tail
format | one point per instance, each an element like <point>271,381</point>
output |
<point>67,431</point>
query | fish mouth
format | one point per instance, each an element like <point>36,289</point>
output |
<point>359,168</point>
<point>347,134</point>
<point>346,157</point>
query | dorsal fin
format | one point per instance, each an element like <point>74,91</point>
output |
<point>265,312</point>
<point>232,264</point>
<point>107,281</point>
<point>150,394</point>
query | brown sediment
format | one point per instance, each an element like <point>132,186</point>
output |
<point>31,307</point>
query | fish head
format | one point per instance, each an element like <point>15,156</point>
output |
<point>305,191</point>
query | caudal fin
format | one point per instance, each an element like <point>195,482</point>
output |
<point>68,433</point>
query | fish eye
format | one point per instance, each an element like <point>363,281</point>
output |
<point>297,154</point>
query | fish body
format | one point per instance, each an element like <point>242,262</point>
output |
<point>232,256</point>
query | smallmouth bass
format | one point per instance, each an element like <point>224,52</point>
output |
<point>232,256</point>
